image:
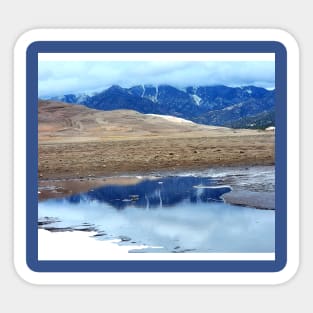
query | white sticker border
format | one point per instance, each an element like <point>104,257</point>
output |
<point>171,35</point>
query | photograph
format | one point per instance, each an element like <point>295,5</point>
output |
<point>156,157</point>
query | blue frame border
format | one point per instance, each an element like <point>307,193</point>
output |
<point>156,47</point>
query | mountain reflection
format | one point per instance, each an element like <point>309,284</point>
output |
<point>155,193</point>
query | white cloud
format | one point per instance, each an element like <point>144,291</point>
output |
<point>59,77</point>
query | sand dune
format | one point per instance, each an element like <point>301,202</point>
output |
<point>62,122</point>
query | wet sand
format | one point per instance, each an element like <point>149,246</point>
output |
<point>258,200</point>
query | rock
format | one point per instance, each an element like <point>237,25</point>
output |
<point>124,238</point>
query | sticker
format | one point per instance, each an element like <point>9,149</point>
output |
<point>155,156</point>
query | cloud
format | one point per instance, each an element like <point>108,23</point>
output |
<point>59,77</point>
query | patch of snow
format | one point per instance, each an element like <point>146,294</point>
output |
<point>230,107</point>
<point>156,93</point>
<point>155,97</point>
<point>172,118</point>
<point>196,99</point>
<point>211,187</point>
<point>143,90</point>
<point>82,98</point>
<point>55,246</point>
<point>183,89</point>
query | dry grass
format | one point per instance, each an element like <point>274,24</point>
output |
<point>75,141</point>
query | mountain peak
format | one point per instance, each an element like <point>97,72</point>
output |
<point>115,88</point>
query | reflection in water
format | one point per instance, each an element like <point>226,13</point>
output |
<point>156,193</point>
<point>177,214</point>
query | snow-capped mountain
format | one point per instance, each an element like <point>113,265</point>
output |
<point>247,106</point>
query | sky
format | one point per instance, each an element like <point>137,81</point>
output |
<point>56,78</point>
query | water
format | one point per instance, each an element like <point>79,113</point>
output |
<point>166,214</point>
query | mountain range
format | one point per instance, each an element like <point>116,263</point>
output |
<point>237,107</point>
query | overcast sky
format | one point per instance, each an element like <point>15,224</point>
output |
<point>59,77</point>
